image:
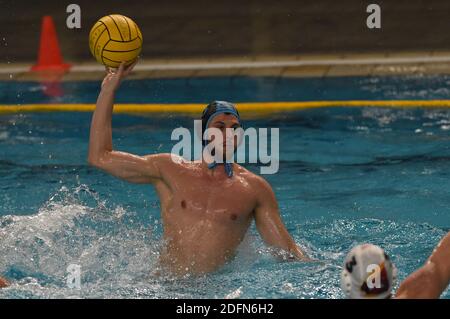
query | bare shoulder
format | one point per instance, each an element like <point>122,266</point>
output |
<point>165,160</point>
<point>257,182</point>
<point>169,164</point>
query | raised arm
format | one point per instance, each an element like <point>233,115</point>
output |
<point>429,281</point>
<point>270,225</point>
<point>132,168</point>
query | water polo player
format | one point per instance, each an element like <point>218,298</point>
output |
<point>206,208</point>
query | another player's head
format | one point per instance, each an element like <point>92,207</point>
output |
<point>367,273</point>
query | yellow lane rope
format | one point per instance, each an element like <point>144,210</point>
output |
<point>254,107</point>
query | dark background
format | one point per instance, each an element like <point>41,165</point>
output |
<point>173,29</point>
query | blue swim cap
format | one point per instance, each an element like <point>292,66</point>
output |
<point>215,108</point>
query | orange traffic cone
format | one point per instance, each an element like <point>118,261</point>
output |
<point>49,58</point>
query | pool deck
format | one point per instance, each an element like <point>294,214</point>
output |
<point>324,65</point>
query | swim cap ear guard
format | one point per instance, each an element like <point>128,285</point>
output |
<point>368,273</point>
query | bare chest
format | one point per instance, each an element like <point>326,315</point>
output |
<point>226,201</point>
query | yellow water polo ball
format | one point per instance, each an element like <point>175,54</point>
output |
<point>115,38</point>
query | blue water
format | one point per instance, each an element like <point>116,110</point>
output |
<point>237,89</point>
<point>347,176</point>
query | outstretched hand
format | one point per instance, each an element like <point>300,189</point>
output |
<point>114,77</point>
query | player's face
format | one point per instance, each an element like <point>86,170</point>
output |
<point>227,145</point>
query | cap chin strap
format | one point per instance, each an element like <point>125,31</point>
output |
<point>228,167</point>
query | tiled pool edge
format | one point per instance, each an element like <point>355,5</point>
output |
<point>377,64</point>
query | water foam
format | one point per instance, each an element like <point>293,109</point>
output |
<point>75,227</point>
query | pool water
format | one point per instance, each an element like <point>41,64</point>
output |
<point>347,176</point>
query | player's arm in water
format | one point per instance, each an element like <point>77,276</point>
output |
<point>3,283</point>
<point>431,279</point>
<point>270,225</point>
<point>132,168</point>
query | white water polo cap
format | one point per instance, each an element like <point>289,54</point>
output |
<point>368,273</point>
